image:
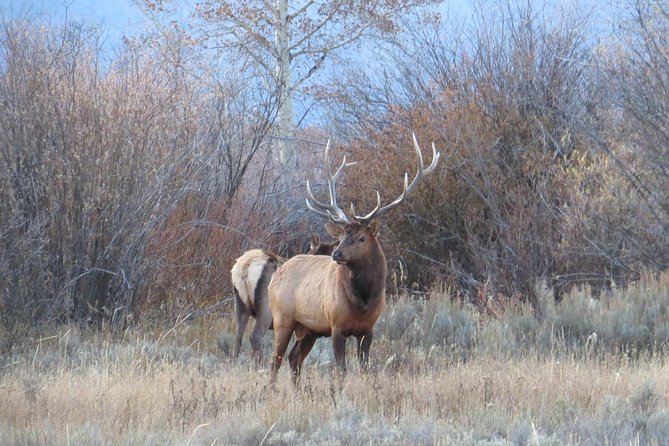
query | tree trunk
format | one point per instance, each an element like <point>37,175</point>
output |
<point>286,125</point>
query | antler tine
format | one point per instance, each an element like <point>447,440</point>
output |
<point>378,210</point>
<point>421,170</point>
<point>332,210</point>
<point>310,198</point>
<point>343,163</point>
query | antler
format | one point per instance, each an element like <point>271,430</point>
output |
<point>337,215</point>
<point>378,210</point>
<point>332,210</point>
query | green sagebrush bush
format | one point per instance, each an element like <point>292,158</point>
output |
<point>630,321</point>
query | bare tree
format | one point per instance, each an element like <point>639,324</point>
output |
<point>234,131</point>
<point>639,70</point>
<point>291,41</point>
<point>91,163</point>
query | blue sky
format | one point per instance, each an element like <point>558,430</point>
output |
<point>120,17</point>
<point>117,17</point>
<point>116,13</point>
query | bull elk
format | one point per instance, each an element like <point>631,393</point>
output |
<point>338,296</point>
<point>251,274</point>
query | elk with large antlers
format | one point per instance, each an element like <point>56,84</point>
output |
<point>338,296</point>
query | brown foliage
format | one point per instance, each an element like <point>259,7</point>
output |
<point>121,187</point>
<point>84,174</point>
<point>526,193</point>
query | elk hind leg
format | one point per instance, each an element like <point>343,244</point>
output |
<point>299,352</point>
<point>263,321</point>
<point>263,312</point>
<point>241,318</point>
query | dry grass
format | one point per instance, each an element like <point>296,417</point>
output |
<point>171,403</point>
<point>440,375</point>
<point>137,393</point>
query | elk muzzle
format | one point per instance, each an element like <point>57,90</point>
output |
<point>338,257</point>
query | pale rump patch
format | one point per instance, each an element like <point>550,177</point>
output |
<point>246,272</point>
<point>250,277</point>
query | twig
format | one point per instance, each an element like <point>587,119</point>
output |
<point>470,280</point>
<point>267,433</point>
<point>199,313</point>
<point>36,341</point>
<point>9,365</point>
<point>424,257</point>
<point>195,431</point>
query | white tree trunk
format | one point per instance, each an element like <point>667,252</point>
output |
<point>286,124</point>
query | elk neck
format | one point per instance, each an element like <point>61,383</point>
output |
<point>368,278</point>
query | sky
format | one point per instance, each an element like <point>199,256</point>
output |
<point>116,13</point>
<point>117,17</point>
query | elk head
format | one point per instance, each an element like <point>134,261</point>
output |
<point>356,241</point>
<point>317,247</point>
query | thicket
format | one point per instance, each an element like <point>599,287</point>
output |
<point>87,171</point>
<point>130,183</point>
<point>554,145</point>
<point>120,176</point>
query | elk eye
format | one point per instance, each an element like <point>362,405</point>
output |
<point>362,239</point>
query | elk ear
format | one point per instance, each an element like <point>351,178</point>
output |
<point>315,241</point>
<point>374,227</point>
<point>334,230</point>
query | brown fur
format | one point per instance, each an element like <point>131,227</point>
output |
<point>338,296</point>
<point>251,275</point>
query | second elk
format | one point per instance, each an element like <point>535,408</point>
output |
<point>251,274</point>
<point>338,296</point>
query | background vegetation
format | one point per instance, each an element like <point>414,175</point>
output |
<point>528,299</point>
<point>131,181</point>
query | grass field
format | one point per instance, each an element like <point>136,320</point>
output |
<point>591,372</point>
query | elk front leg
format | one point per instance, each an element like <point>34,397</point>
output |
<point>339,347</point>
<point>364,342</point>
<point>282,334</point>
<point>299,352</point>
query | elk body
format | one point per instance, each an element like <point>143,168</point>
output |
<point>338,296</point>
<point>251,275</point>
